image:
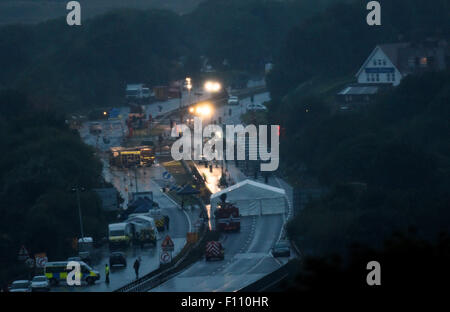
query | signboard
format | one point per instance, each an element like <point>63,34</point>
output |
<point>41,259</point>
<point>166,175</point>
<point>23,254</point>
<point>30,263</point>
<point>166,257</point>
<point>167,244</point>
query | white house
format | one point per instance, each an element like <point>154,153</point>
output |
<point>387,65</point>
<point>390,63</point>
<point>382,65</point>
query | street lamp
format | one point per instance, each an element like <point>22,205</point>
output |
<point>77,190</point>
<point>189,87</point>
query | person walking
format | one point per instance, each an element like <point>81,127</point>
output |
<point>106,273</point>
<point>166,221</point>
<point>136,267</point>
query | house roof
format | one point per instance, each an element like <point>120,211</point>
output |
<point>266,191</point>
<point>399,53</point>
<point>359,90</point>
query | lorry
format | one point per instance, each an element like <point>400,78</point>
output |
<point>137,230</point>
<point>119,235</point>
<point>143,230</point>
<point>86,249</point>
<point>137,93</point>
<point>227,217</point>
<point>214,250</point>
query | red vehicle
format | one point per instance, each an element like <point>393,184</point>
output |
<point>214,250</point>
<point>227,218</point>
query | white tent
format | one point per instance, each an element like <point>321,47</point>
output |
<point>253,198</point>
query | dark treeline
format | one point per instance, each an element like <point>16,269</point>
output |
<point>387,167</point>
<point>81,67</point>
<point>41,160</point>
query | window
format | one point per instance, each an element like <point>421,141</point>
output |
<point>375,62</point>
<point>423,61</point>
<point>384,62</point>
<point>378,77</point>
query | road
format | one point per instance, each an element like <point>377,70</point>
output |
<point>124,181</point>
<point>247,254</point>
<point>180,224</point>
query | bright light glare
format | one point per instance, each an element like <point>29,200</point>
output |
<point>212,86</point>
<point>203,110</point>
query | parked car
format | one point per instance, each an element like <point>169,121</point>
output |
<point>77,259</point>
<point>256,107</point>
<point>40,283</point>
<point>233,100</point>
<point>20,286</point>
<point>117,258</point>
<point>281,249</point>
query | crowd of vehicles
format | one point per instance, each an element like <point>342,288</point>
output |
<point>141,224</point>
<point>137,231</point>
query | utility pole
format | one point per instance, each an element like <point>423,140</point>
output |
<point>135,178</point>
<point>77,191</point>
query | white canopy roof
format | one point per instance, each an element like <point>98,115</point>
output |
<point>253,198</point>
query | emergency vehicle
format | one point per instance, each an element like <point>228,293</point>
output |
<point>57,272</point>
<point>227,217</point>
<point>122,157</point>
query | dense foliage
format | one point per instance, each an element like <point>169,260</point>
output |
<point>75,68</point>
<point>41,160</point>
<point>387,167</point>
<point>338,41</point>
